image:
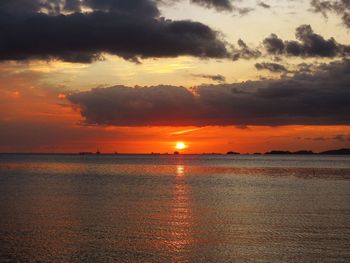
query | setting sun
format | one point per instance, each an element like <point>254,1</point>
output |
<point>180,146</point>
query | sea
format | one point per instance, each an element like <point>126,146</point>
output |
<point>174,208</point>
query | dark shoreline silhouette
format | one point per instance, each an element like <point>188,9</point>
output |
<point>337,152</point>
<point>344,151</point>
<point>308,152</point>
<point>231,152</point>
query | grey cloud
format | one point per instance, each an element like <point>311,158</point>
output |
<point>309,44</point>
<point>264,5</point>
<point>30,6</point>
<point>316,138</point>
<point>320,98</point>
<point>304,68</point>
<point>243,10</point>
<point>338,137</point>
<point>342,137</point>
<point>33,29</point>
<point>274,44</point>
<point>339,7</point>
<point>218,77</point>
<point>273,67</point>
<point>218,4</point>
<point>223,5</point>
<point>245,52</point>
<point>58,7</point>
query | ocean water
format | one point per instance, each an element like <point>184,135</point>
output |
<point>166,208</point>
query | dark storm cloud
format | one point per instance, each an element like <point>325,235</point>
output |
<point>320,98</point>
<point>309,44</point>
<point>339,7</point>
<point>54,7</point>
<point>273,67</point>
<point>33,29</point>
<point>29,6</point>
<point>218,77</point>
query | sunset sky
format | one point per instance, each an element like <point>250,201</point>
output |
<point>138,76</point>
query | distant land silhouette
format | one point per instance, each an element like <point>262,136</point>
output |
<point>231,152</point>
<point>330,152</point>
<point>344,151</point>
<point>288,152</point>
<point>337,152</point>
<point>86,153</point>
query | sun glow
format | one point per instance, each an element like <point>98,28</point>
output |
<point>180,146</point>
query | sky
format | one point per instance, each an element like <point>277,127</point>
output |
<point>138,76</point>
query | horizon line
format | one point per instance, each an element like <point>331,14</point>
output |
<point>271,152</point>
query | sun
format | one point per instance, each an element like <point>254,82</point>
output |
<point>180,146</point>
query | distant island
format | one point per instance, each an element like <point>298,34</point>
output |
<point>288,152</point>
<point>337,152</point>
<point>90,153</point>
<point>344,151</point>
<point>86,153</point>
<point>231,152</point>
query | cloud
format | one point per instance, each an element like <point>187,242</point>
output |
<point>245,52</point>
<point>243,10</point>
<point>223,5</point>
<point>217,4</point>
<point>339,7</point>
<point>60,7</point>
<point>309,44</point>
<point>320,98</point>
<point>320,138</point>
<point>273,67</point>
<point>185,131</point>
<point>338,137</point>
<point>263,5</point>
<point>342,137</point>
<point>218,77</point>
<point>57,29</point>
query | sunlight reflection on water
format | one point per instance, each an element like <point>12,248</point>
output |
<point>183,209</point>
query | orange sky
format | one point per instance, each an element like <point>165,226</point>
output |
<point>36,116</point>
<point>37,119</point>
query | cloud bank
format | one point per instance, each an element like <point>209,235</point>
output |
<point>84,30</point>
<point>133,29</point>
<point>309,44</point>
<point>319,98</point>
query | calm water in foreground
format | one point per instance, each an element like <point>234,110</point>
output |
<point>143,208</point>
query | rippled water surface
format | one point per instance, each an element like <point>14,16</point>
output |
<point>165,208</point>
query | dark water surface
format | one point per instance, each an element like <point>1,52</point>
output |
<point>143,208</point>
